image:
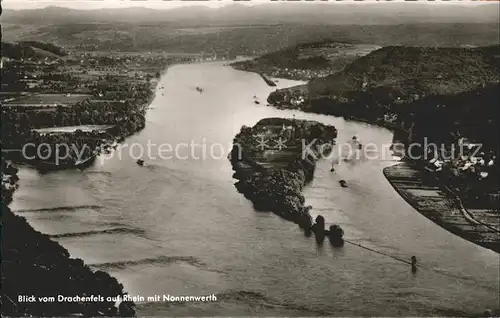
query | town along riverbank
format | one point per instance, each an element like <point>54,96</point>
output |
<point>275,159</point>
<point>424,193</point>
<point>34,266</point>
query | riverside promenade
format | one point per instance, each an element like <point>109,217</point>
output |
<point>441,206</point>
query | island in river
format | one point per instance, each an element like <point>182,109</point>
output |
<point>275,159</point>
<point>418,91</point>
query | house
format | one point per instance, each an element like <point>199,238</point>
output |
<point>390,117</point>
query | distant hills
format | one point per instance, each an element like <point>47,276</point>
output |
<point>252,40</point>
<point>278,12</point>
<point>254,30</point>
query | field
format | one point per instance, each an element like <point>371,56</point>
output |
<point>67,100</point>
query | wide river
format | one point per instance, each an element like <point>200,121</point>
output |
<point>178,226</point>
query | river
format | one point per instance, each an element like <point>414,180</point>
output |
<point>178,226</point>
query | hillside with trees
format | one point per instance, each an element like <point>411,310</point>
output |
<point>394,75</point>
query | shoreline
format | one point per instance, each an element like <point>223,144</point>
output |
<point>55,259</point>
<point>136,95</point>
<point>273,179</point>
<point>380,123</point>
<point>428,199</point>
<point>259,70</point>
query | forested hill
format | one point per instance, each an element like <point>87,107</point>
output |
<point>403,72</point>
<point>399,74</point>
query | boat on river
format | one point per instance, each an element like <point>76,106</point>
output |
<point>199,89</point>
<point>140,162</point>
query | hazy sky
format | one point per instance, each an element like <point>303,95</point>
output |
<point>156,4</point>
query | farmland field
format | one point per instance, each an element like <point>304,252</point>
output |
<point>49,99</point>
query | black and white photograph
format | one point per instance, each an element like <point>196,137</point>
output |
<point>253,158</point>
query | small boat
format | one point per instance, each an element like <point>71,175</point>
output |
<point>199,89</point>
<point>257,102</point>
<point>343,183</point>
<point>140,162</point>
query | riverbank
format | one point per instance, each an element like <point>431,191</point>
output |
<point>92,90</point>
<point>35,266</point>
<point>425,195</point>
<point>306,61</point>
<point>32,264</point>
<point>275,159</point>
<point>251,66</point>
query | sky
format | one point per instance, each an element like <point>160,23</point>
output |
<point>159,4</point>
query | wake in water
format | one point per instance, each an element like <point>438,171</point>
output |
<point>160,260</point>
<point>117,230</point>
<point>162,170</point>
<point>61,208</point>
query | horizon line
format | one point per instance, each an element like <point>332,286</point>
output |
<point>88,5</point>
